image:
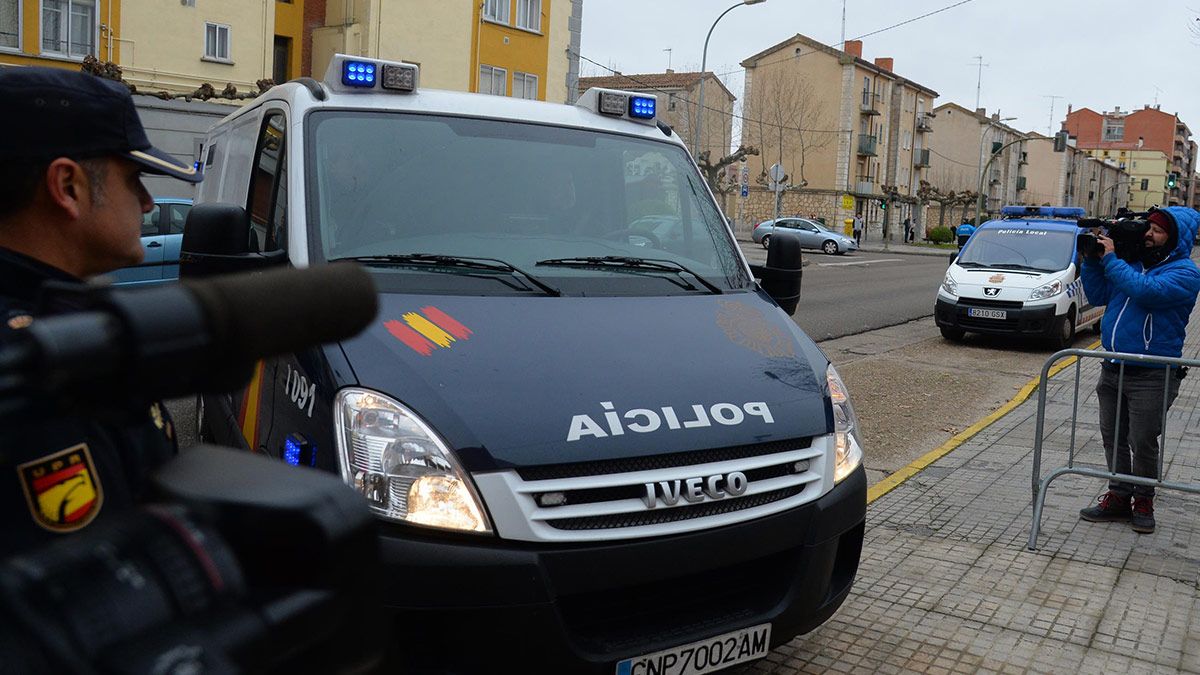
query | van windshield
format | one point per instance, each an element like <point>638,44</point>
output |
<point>386,185</point>
<point>1038,250</point>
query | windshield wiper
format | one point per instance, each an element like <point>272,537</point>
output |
<point>463,262</point>
<point>625,262</point>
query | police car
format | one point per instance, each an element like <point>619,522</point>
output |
<point>1019,275</point>
<point>591,447</point>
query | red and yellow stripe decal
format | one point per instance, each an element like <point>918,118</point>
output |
<point>428,330</point>
<point>248,414</point>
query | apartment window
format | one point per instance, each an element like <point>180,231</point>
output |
<point>1114,129</point>
<point>529,14</point>
<point>670,101</point>
<point>1145,183</point>
<point>493,80</point>
<point>496,10</point>
<point>10,24</point>
<point>69,27</point>
<point>525,86</point>
<point>216,42</point>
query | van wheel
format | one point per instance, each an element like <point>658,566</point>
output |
<point>830,247</point>
<point>766,242</point>
<point>953,334</point>
<point>202,435</point>
<point>1064,335</point>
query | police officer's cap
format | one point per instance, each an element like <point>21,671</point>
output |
<point>48,113</point>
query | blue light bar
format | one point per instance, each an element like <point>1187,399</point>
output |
<point>291,452</point>
<point>1044,211</point>
<point>358,74</point>
<point>641,107</point>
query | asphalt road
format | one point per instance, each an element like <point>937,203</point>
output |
<point>857,292</point>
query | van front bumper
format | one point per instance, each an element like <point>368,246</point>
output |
<point>1038,320</point>
<point>488,605</point>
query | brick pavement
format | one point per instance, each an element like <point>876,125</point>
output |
<point>947,585</point>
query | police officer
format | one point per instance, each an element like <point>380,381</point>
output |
<point>71,205</point>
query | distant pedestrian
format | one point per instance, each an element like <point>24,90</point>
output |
<point>908,230</point>
<point>858,227</point>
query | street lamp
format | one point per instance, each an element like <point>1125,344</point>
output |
<point>703,68</point>
<point>987,125</point>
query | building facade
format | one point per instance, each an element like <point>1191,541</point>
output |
<point>1148,133</point>
<point>843,127</point>
<point>678,100</point>
<point>963,149</point>
<point>522,48</point>
<point>1074,178</point>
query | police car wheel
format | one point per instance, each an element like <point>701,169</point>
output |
<point>953,334</point>
<point>766,242</point>
<point>1065,331</point>
<point>830,247</point>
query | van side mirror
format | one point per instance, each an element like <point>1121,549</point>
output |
<point>782,274</point>
<point>216,241</point>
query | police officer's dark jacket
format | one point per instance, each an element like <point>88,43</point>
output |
<point>59,474</point>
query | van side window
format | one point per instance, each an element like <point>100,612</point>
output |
<point>267,202</point>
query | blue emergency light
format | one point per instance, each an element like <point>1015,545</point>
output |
<point>641,107</point>
<point>358,74</point>
<point>1044,211</point>
<point>299,452</point>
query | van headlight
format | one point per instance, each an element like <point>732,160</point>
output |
<point>950,286</point>
<point>1048,291</point>
<point>396,461</point>
<point>847,447</point>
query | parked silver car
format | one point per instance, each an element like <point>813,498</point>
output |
<point>811,234</point>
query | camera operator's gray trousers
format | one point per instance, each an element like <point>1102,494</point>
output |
<point>1141,413</point>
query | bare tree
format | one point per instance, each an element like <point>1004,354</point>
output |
<point>789,120</point>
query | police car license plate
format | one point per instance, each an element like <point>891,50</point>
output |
<point>987,313</point>
<point>703,656</point>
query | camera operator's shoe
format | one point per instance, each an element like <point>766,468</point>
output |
<point>1143,515</point>
<point>1112,507</point>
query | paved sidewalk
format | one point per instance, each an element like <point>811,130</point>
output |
<point>946,583</point>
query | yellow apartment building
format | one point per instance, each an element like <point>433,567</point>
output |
<point>160,46</point>
<point>522,48</point>
<point>1147,171</point>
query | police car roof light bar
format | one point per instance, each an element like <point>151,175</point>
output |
<point>632,106</point>
<point>1074,212</point>
<point>353,74</point>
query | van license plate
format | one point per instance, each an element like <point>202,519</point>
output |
<point>987,313</point>
<point>703,656</point>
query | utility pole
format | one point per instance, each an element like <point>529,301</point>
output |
<point>1050,127</point>
<point>843,47</point>
<point>979,79</point>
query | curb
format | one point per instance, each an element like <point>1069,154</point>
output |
<point>916,466</point>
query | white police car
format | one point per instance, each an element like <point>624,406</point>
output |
<point>1018,275</point>
<point>593,442</point>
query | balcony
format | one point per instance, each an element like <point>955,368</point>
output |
<point>1024,158</point>
<point>870,103</point>
<point>921,157</point>
<point>867,146</point>
<point>1021,183</point>
<point>864,185</point>
<point>925,123</point>
<point>994,176</point>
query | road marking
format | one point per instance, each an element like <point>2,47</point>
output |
<point>858,262</point>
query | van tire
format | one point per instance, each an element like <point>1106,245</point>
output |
<point>953,334</point>
<point>766,241</point>
<point>1064,331</point>
<point>830,247</point>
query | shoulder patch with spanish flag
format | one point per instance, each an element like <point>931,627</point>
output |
<point>63,489</point>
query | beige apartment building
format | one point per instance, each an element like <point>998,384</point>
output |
<point>852,134</point>
<point>1073,178</point>
<point>964,144</point>
<point>678,98</point>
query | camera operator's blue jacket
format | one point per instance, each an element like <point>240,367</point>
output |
<point>1148,308</point>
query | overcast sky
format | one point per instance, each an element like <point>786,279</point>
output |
<point>1092,53</point>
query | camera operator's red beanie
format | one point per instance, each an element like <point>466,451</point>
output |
<point>1166,222</point>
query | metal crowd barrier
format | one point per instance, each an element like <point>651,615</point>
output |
<point>1040,485</point>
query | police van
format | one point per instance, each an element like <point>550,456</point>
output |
<point>593,442</point>
<point>1019,275</point>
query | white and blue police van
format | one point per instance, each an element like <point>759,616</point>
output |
<point>593,437</point>
<point>1019,275</point>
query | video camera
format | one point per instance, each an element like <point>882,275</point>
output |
<point>238,563</point>
<point>1127,231</point>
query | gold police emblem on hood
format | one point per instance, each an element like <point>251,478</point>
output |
<point>996,278</point>
<point>751,329</point>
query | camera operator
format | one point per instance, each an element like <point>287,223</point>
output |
<point>1149,301</point>
<point>71,205</point>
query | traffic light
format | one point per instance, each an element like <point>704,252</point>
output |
<point>1172,180</point>
<point>883,204</point>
